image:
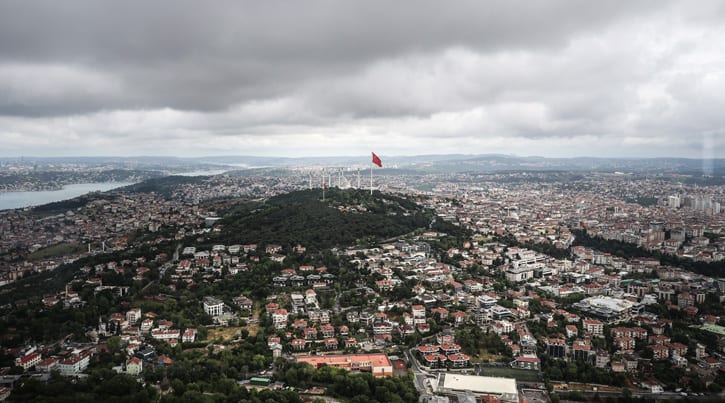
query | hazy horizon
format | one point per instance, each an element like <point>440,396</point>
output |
<point>350,156</point>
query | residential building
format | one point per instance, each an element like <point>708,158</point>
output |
<point>134,366</point>
<point>74,365</point>
<point>213,306</point>
<point>28,360</point>
<point>530,363</point>
<point>189,336</point>
<point>133,315</point>
<point>593,327</point>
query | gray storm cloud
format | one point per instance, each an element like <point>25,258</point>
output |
<point>277,77</point>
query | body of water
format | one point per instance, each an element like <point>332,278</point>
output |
<point>11,200</point>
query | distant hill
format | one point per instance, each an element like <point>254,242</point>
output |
<point>449,163</point>
<point>432,163</point>
<point>72,204</point>
<point>163,186</point>
<point>346,217</point>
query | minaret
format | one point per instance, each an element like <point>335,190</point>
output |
<point>101,327</point>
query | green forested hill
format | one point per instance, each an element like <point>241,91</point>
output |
<point>164,186</point>
<point>345,217</point>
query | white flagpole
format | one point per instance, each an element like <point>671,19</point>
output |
<point>371,180</point>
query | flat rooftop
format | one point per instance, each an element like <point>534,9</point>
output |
<point>373,360</point>
<point>604,302</point>
<point>506,387</point>
<point>717,329</point>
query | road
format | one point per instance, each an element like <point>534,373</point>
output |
<point>164,267</point>
<point>419,375</point>
<point>637,394</point>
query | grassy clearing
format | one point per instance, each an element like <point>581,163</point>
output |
<point>484,356</point>
<point>518,374</point>
<point>253,329</point>
<point>61,249</point>
<point>224,333</point>
<point>228,333</point>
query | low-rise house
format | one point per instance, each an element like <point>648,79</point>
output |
<point>459,318</point>
<point>450,348</point>
<point>631,363</point>
<point>134,366</point>
<point>331,343</point>
<point>618,366</point>
<point>382,328</point>
<point>652,387</point>
<point>28,361</point>
<point>133,315</point>
<point>660,352</point>
<point>659,339</point>
<point>189,336</point>
<point>351,342</point>
<point>601,359</point>
<point>310,333</point>
<point>593,327</point>
<point>442,312</point>
<point>458,360</point>
<point>166,335</point>
<point>434,360</point>
<point>530,363</point>
<point>678,349</point>
<point>624,343</point>
<point>244,302</point>
<point>327,330</point>
<point>75,364</point>
<point>47,365</point>
<point>213,306</point>
<point>298,344</point>
<point>273,340</point>
<point>146,325</point>
<point>279,318</point>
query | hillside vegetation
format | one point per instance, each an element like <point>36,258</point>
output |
<point>346,217</point>
<point>163,186</point>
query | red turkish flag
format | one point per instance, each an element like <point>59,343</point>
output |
<point>377,161</point>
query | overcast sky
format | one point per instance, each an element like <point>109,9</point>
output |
<point>309,78</point>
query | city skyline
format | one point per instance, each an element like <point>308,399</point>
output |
<point>556,79</point>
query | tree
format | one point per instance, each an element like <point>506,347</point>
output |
<point>16,370</point>
<point>259,361</point>
<point>178,387</point>
<point>114,344</point>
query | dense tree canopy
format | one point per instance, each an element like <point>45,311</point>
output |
<point>346,217</point>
